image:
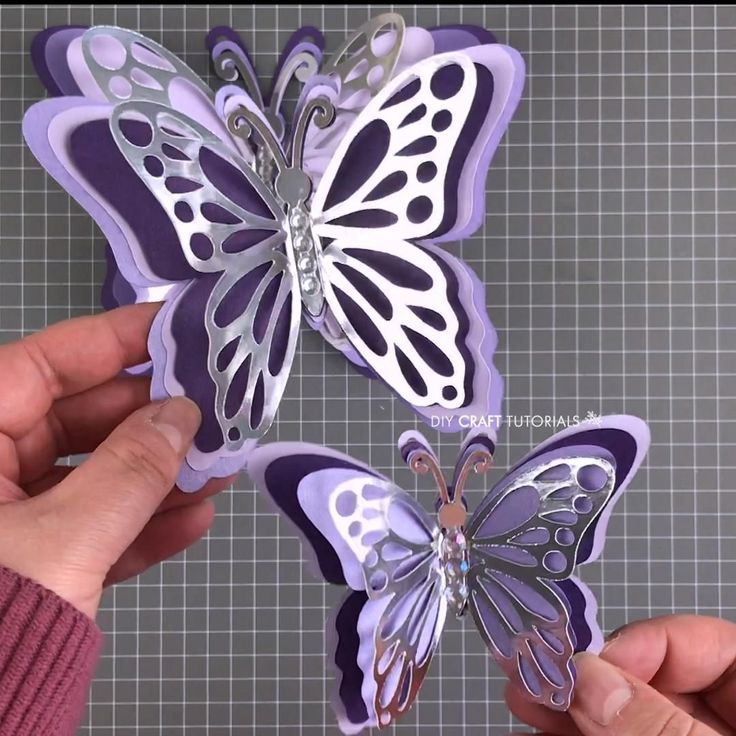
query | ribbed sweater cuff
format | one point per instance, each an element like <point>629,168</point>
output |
<point>48,653</point>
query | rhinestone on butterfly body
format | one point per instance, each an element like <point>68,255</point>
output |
<point>455,566</point>
<point>305,249</point>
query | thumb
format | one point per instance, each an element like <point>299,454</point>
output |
<point>113,494</point>
<point>608,701</point>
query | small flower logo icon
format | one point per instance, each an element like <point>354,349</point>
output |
<point>593,417</point>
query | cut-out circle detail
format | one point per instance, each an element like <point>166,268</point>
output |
<point>592,478</point>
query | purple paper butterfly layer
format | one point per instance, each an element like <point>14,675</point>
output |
<point>111,89</point>
<point>543,517</point>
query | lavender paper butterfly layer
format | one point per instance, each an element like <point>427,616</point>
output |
<point>74,139</point>
<point>547,514</point>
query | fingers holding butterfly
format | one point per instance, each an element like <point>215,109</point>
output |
<point>227,341</point>
<point>67,392</point>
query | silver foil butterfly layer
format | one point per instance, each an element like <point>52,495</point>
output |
<point>509,562</point>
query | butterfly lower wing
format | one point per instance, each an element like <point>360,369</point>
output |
<point>377,679</point>
<point>384,543</point>
<point>415,316</point>
<point>526,629</point>
<point>405,639</point>
<point>208,351</point>
<point>391,537</point>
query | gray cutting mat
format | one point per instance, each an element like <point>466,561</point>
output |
<point>608,251</point>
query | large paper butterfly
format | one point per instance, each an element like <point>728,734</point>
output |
<point>509,563</point>
<point>168,172</point>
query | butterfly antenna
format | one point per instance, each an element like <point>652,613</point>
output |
<point>322,111</point>
<point>241,122</point>
<point>302,67</point>
<point>422,461</point>
<point>478,460</point>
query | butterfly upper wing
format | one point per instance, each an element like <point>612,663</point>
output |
<point>430,132</point>
<point>374,46</point>
<point>109,64</point>
<point>524,539</point>
<point>369,533</point>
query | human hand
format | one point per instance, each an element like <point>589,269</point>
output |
<point>75,530</point>
<point>669,676</point>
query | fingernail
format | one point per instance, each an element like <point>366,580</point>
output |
<point>601,691</point>
<point>610,641</point>
<point>613,637</point>
<point>178,420</point>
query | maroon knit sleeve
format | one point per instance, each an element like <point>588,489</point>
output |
<point>48,653</point>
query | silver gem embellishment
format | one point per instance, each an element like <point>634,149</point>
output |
<point>310,285</point>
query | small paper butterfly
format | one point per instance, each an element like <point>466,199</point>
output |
<point>509,562</point>
<point>168,171</point>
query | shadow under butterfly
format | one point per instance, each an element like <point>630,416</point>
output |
<point>510,562</point>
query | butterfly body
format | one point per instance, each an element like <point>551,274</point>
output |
<point>306,250</point>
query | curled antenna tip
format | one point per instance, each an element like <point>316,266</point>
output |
<point>479,460</point>
<point>418,462</point>
<point>482,462</point>
<point>238,123</point>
